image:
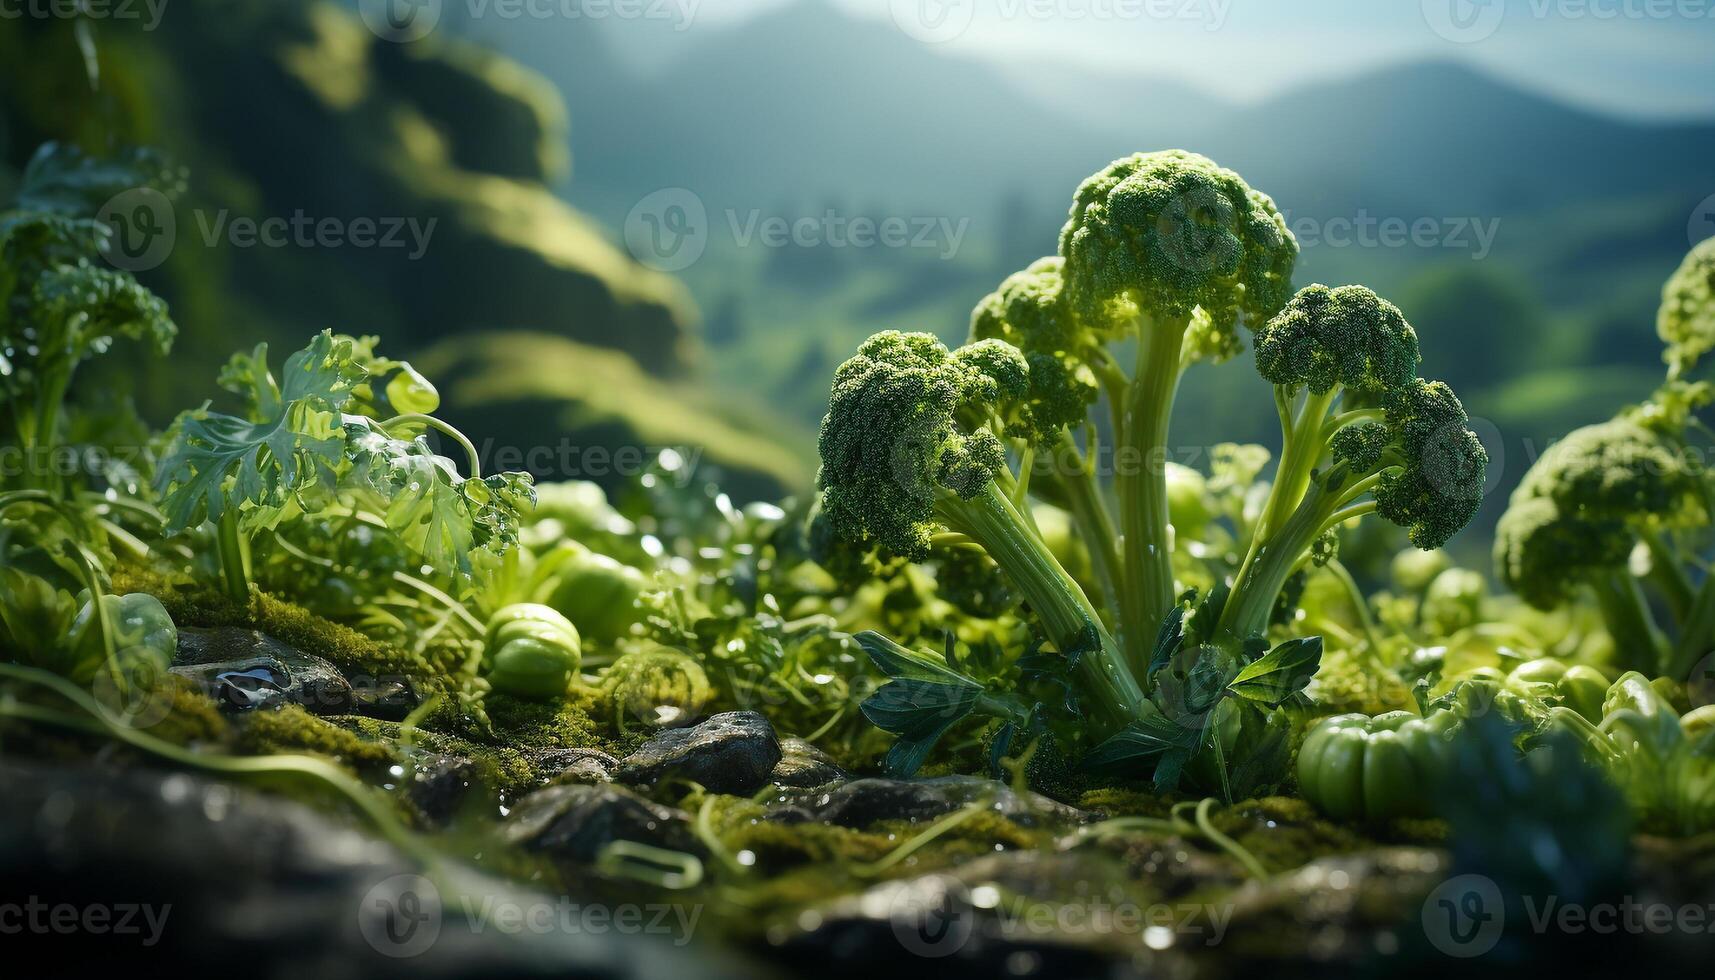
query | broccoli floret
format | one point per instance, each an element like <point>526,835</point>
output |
<point>1161,235</point>
<point>1421,466</point>
<point>1578,515</point>
<point>1347,336</point>
<point>912,445</point>
<point>1686,321</point>
<point>1028,311</point>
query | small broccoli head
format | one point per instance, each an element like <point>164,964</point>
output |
<point>1616,471</point>
<point>1028,311</point>
<point>903,426</point>
<point>1435,482</point>
<point>1686,321</point>
<point>1346,336</point>
<point>1165,234</point>
<point>1544,555</point>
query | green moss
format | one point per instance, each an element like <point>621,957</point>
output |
<point>193,718</point>
<point>193,604</point>
<point>292,729</point>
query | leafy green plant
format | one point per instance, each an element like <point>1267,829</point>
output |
<point>61,303</point>
<point>1166,253</point>
<point>303,443</point>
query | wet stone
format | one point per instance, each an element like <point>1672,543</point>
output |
<point>732,752</point>
<point>574,823</point>
<point>589,766</point>
<point>244,669</point>
<point>864,801</point>
<point>803,766</point>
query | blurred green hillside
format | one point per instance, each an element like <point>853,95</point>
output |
<point>282,109</point>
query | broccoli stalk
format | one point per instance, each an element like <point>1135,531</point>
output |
<point>1400,446</point>
<point>913,446</point>
<point>1170,253</point>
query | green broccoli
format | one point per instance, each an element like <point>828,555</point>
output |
<point>1361,433</point>
<point>912,446</point>
<point>1686,321</point>
<point>1579,514</point>
<point>1172,252</point>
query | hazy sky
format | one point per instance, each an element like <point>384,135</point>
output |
<point>1654,57</point>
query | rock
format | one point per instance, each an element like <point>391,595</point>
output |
<point>244,669</point>
<point>386,698</point>
<point>732,752</point>
<point>802,765</point>
<point>573,822</point>
<point>862,802</point>
<point>232,876</point>
<point>590,766</point>
<point>439,784</point>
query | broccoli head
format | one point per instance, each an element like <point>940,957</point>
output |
<point>1437,484</point>
<point>1616,471</point>
<point>899,432</point>
<point>1544,555</point>
<point>1162,235</point>
<point>1686,321</point>
<point>1029,312</point>
<point>1346,336</point>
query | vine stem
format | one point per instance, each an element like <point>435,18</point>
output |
<point>418,418</point>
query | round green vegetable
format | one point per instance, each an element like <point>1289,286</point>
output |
<point>144,637</point>
<point>1354,767</point>
<point>656,685</point>
<point>597,593</point>
<point>532,652</point>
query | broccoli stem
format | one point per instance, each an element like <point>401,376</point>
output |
<point>234,557</point>
<point>1301,446</point>
<point>1090,514</point>
<point>1667,575</point>
<point>1141,481</point>
<point>1629,622</point>
<point>1065,612</point>
<point>1696,631</point>
<point>1273,561</point>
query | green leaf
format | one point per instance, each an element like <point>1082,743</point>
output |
<point>217,462</point>
<point>453,522</point>
<point>1168,640</point>
<point>896,661</point>
<point>1279,674</point>
<point>918,708</point>
<point>1145,739</point>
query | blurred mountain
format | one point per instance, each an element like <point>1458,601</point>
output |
<point>295,113</point>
